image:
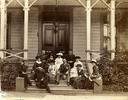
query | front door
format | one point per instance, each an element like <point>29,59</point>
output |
<point>55,41</point>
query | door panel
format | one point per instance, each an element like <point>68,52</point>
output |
<point>48,37</point>
<point>61,37</point>
<point>63,41</point>
<point>55,41</point>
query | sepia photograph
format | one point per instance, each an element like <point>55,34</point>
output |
<point>63,49</point>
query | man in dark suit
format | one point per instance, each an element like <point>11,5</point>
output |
<point>64,71</point>
<point>22,73</point>
<point>42,79</point>
<point>70,58</point>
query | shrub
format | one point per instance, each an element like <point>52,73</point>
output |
<point>9,73</point>
<point>115,73</point>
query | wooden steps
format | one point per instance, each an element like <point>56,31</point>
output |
<point>62,88</point>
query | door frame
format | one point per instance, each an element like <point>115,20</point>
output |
<point>40,30</point>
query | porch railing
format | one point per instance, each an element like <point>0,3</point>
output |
<point>14,53</point>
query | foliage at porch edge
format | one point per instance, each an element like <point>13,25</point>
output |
<point>114,72</point>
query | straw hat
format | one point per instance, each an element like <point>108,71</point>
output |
<point>59,54</point>
<point>93,61</point>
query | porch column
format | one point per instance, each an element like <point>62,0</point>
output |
<point>26,8</point>
<point>88,27</point>
<point>112,24</point>
<point>2,35</point>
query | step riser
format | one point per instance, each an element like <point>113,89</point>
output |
<point>62,92</point>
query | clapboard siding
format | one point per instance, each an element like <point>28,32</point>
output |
<point>79,31</point>
<point>95,30</point>
<point>16,28</point>
<point>33,30</point>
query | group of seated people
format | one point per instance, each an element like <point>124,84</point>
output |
<point>66,67</point>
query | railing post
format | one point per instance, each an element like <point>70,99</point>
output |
<point>112,29</point>
<point>26,9</point>
<point>2,34</point>
<point>88,27</point>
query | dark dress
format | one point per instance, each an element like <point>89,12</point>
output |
<point>35,66</point>
<point>95,70</point>
<point>70,58</point>
<point>79,83</point>
<point>23,68</point>
<point>44,58</point>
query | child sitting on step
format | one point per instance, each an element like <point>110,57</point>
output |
<point>52,71</point>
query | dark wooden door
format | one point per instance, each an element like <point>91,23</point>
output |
<point>55,41</point>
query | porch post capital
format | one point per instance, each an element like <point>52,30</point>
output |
<point>88,9</point>
<point>26,8</point>
<point>112,5</point>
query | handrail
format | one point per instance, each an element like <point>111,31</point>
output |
<point>11,50</point>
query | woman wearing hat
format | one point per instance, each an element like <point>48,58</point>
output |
<point>38,63</point>
<point>59,60</point>
<point>77,61</point>
<point>95,68</point>
<point>79,82</point>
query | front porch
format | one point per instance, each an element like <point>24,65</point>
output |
<point>24,35</point>
<point>86,30</point>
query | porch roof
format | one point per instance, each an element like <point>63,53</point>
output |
<point>122,3</point>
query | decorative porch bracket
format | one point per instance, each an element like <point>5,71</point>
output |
<point>119,3</point>
<point>8,3</point>
<point>26,9</point>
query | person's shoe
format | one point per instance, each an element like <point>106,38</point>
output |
<point>49,91</point>
<point>57,83</point>
<point>68,83</point>
<point>30,84</point>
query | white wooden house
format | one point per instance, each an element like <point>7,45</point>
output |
<point>27,27</point>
